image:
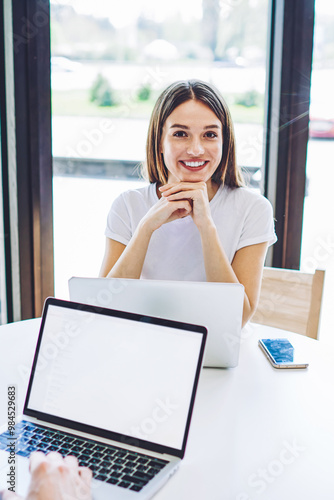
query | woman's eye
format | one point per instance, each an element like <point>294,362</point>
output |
<point>211,135</point>
<point>180,133</point>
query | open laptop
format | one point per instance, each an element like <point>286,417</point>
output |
<point>218,306</point>
<point>116,390</point>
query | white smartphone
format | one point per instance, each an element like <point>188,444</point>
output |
<point>281,353</point>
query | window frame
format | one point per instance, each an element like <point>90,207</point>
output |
<point>30,192</point>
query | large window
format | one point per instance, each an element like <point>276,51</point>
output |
<point>109,63</point>
<point>318,228</point>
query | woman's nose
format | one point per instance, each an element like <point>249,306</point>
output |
<point>195,147</point>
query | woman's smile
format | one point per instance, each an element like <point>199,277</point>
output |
<point>194,165</point>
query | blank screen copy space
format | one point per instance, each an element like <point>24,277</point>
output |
<point>125,376</point>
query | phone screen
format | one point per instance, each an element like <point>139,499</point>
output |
<point>281,353</point>
<point>281,350</point>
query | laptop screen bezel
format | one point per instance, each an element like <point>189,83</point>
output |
<point>114,436</point>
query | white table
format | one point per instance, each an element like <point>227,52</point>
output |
<point>256,433</point>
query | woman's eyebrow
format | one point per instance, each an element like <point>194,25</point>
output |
<point>177,125</point>
<point>212,126</point>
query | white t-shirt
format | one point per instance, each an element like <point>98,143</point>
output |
<point>242,217</point>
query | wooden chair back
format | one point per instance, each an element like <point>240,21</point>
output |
<point>291,300</point>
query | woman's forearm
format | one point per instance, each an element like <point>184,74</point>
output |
<point>217,265</point>
<point>130,263</point>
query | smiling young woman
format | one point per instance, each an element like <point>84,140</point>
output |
<point>196,220</point>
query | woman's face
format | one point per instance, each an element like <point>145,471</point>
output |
<point>192,143</point>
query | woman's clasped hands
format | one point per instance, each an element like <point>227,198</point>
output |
<point>195,193</point>
<point>179,200</point>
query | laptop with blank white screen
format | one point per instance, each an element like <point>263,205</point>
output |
<point>112,388</point>
<point>218,306</point>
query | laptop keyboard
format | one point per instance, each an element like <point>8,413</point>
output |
<point>109,464</point>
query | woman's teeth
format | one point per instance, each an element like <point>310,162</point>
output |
<point>194,163</point>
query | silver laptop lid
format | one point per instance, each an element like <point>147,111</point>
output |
<point>218,306</point>
<point>127,377</point>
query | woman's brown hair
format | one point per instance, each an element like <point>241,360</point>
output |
<point>175,94</point>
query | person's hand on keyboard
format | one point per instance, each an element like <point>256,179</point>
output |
<point>56,478</point>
